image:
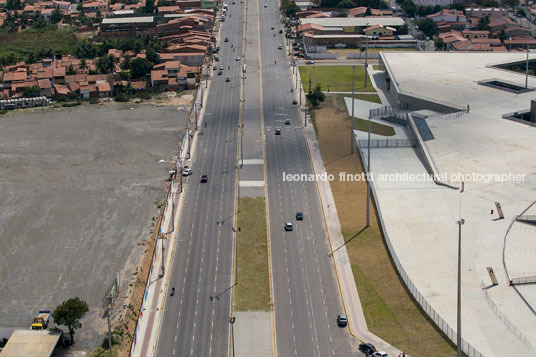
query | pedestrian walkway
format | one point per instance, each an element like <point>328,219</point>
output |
<point>149,319</point>
<point>350,296</point>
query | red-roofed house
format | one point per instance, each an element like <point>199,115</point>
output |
<point>104,89</point>
<point>46,88</point>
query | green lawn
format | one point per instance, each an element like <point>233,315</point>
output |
<point>21,44</point>
<point>362,124</point>
<point>335,78</point>
<point>252,292</point>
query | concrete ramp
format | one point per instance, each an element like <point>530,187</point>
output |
<point>31,343</point>
<point>528,218</point>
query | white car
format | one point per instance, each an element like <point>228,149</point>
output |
<point>380,354</point>
<point>288,226</point>
<point>237,58</point>
<point>187,172</point>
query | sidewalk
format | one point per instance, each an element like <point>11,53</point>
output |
<point>147,328</point>
<point>350,296</point>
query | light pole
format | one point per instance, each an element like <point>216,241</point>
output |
<point>368,175</point>
<point>366,55</point>
<point>527,65</point>
<point>162,237</point>
<point>459,305</point>
<point>353,101</point>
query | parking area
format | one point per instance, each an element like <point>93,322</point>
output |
<point>78,190</point>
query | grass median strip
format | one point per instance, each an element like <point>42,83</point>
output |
<point>252,292</point>
<point>389,309</point>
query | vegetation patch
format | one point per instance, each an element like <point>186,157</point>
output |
<point>50,40</point>
<point>252,290</point>
<point>335,78</point>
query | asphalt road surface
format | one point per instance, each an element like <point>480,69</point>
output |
<point>196,318</point>
<point>306,296</point>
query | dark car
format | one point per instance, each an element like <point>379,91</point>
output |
<point>299,216</point>
<point>280,31</point>
<point>226,40</point>
<point>204,178</point>
<point>220,72</point>
<point>277,131</point>
<point>342,321</point>
<point>227,79</point>
<point>294,102</point>
<point>367,348</point>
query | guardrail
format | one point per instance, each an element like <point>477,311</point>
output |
<point>388,143</point>
<point>505,319</point>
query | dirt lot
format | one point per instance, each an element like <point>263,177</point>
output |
<point>79,190</point>
<point>389,309</point>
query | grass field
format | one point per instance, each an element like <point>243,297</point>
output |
<point>335,78</point>
<point>389,309</point>
<point>253,291</point>
<point>22,43</point>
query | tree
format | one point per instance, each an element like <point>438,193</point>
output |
<point>439,43</point>
<point>316,96</point>
<point>149,7</point>
<point>152,56</point>
<point>346,4</point>
<point>56,16</point>
<point>521,12</point>
<point>30,92</point>
<point>483,23</point>
<point>409,7</point>
<point>428,27</point>
<point>368,12</point>
<point>502,35</point>
<point>125,65</point>
<point>402,30</point>
<point>13,5</point>
<point>70,70</point>
<point>140,67</point>
<point>511,3</point>
<point>83,64</point>
<point>69,314</point>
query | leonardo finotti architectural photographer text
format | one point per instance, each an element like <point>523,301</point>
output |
<point>408,177</point>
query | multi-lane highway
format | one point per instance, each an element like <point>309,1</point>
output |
<point>196,318</point>
<point>305,291</point>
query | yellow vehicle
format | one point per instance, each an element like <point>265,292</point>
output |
<point>40,321</point>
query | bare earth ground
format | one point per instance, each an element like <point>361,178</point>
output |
<point>390,311</point>
<point>79,188</point>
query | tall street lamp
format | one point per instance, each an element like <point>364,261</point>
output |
<point>459,305</point>
<point>353,101</point>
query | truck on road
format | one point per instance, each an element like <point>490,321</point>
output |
<point>40,321</point>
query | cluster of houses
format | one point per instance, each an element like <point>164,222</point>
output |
<point>460,32</point>
<point>362,27</point>
<point>186,31</point>
<point>327,29</point>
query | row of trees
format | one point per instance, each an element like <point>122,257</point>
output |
<point>88,49</point>
<point>347,4</point>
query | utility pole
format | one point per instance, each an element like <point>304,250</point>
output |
<point>459,305</point>
<point>366,57</point>
<point>527,65</point>
<point>368,175</point>
<point>162,237</point>
<point>353,101</point>
<point>108,313</point>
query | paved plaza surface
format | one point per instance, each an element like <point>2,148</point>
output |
<point>77,194</point>
<point>421,216</point>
